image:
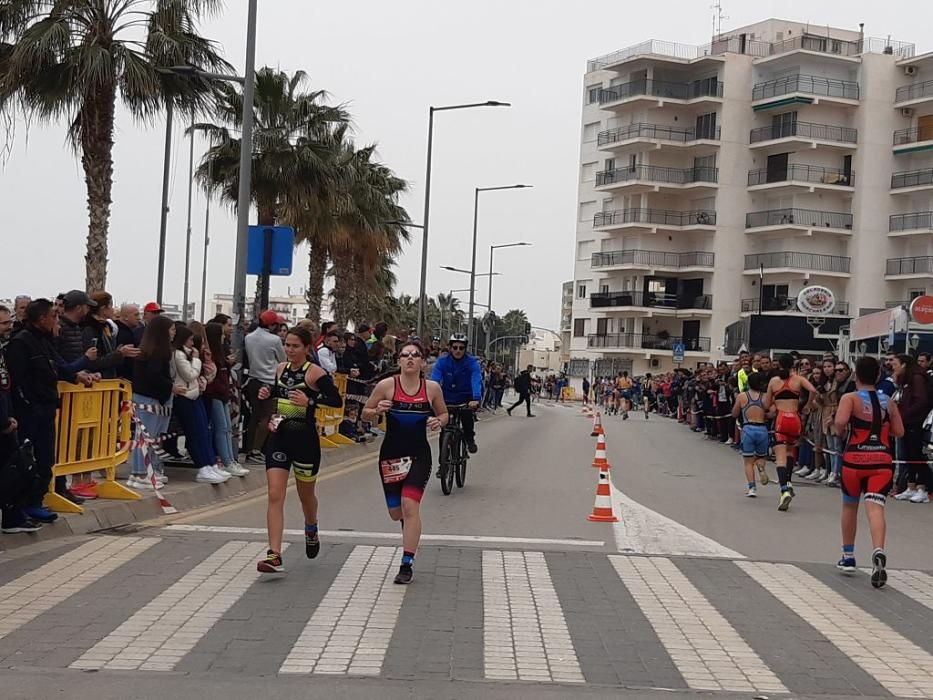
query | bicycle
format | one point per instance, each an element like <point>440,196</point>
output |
<point>454,455</point>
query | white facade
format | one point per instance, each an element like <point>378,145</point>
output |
<point>803,155</point>
<point>293,307</point>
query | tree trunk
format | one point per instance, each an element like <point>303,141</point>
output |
<point>317,270</point>
<point>96,119</point>
<point>342,281</point>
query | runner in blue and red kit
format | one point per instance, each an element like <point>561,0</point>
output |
<point>412,406</point>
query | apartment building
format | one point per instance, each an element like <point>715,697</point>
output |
<point>718,181</point>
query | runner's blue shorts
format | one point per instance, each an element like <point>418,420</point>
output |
<point>755,441</point>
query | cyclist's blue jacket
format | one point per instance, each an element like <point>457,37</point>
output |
<point>461,380</point>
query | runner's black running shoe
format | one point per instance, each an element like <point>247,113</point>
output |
<point>312,545</point>
<point>404,574</point>
<point>879,576</point>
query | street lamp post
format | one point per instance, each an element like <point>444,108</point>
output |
<point>450,301</point>
<point>427,197</point>
<point>473,275</point>
<point>475,222</point>
<point>492,248</point>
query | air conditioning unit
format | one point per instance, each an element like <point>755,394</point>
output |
<point>907,112</point>
<point>655,363</point>
<point>910,70</point>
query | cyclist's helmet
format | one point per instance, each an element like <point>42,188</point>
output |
<point>458,338</point>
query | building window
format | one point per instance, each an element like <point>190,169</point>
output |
<point>914,293</point>
<point>590,132</point>
<point>587,212</point>
<point>220,308</point>
<point>581,291</point>
<point>579,327</point>
<point>602,326</point>
<point>604,289</point>
<point>588,172</point>
<point>592,94</point>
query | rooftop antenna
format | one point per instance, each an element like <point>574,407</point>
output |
<point>718,17</point>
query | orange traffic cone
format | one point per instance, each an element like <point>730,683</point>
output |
<point>602,508</point>
<point>600,461</point>
<point>597,425</point>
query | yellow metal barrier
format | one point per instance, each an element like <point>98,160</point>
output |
<point>329,419</point>
<point>92,434</point>
<point>568,393</point>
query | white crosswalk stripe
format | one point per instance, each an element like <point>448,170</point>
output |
<point>898,664</point>
<point>914,584</point>
<point>158,636</point>
<point>34,593</point>
<point>706,649</point>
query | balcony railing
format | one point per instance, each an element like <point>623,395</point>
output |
<point>800,261</point>
<point>822,132</point>
<point>787,304</point>
<point>909,266</point>
<point>798,217</point>
<point>807,84</point>
<point>656,173</point>
<point>655,217</point>
<point>661,88</point>
<point>802,173</point>
<point>912,178</point>
<point>914,92</point>
<point>913,220</point>
<point>915,135</point>
<point>821,44</point>
<point>655,131</point>
<point>657,300</point>
<point>652,258</point>
<point>648,342</point>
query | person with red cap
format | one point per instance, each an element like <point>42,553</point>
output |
<point>264,352</point>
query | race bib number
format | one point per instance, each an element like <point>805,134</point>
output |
<point>394,470</point>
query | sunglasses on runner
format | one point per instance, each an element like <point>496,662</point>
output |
<point>840,369</point>
<point>458,348</point>
<point>414,353</point>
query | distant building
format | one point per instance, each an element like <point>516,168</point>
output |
<point>293,307</point>
<point>543,350</point>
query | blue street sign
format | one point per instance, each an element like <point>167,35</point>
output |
<point>678,353</point>
<point>280,254</point>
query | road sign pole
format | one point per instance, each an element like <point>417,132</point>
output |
<point>266,268</point>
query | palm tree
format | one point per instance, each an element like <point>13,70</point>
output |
<point>296,152</point>
<point>71,59</point>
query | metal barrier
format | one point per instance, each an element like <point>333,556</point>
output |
<point>93,430</point>
<point>329,418</point>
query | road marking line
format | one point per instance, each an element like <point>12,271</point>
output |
<point>641,530</point>
<point>349,534</point>
<point>350,629</point>
<point>903,668</point>
<point>525,635</point>
<point>32,594</point>
<point>707,651</point>
<point>163,631</point>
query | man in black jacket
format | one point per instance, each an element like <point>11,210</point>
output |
<point>523,387</point>
<point>35,368</point>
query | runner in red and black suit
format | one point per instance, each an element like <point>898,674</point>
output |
<point>412,406</point>
<point>783,399</point>
<point>871,419</point>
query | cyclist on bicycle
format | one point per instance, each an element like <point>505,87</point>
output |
<point>461,378</point>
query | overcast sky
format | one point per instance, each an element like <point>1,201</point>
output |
<point>389,61</point>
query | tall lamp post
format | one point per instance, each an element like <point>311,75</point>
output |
<point>450,297</point>
<point>473,275</point>
<point>476,194</point>
<point>492,249</point>
<point>427,197</point>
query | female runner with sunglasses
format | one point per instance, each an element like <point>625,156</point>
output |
<point>412,405</point>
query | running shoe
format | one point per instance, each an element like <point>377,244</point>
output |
<point>879,560</point>
<point>786,498</point>
<point>762,474</point>
<point>906,494</point>
<point>139,482</point>
<point>404,575</point>
<point>236,469</point>
<point>208,475</point>
<point>272,564</point>
<point>85,490</point>
<point>41,514</point>
<point>802,471</point>
<point>752,492</point>
<point>847,566</point>
<point>812,475</point>
<point>312,545</point>
<point>920,497</point>
<point>21,524</point>
<point>833,480</point>
<point>256,457</point>
<point>471,446</point>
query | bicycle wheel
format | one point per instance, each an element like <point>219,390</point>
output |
<point>462,458</point>
<point>446,462</point>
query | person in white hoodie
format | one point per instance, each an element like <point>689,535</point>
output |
<point>190,411</point>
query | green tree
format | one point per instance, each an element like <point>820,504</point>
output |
<point>72,59</point>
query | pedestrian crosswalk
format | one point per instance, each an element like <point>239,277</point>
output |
<point>141,604</point>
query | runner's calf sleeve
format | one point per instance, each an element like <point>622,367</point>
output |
<point>782,473</point>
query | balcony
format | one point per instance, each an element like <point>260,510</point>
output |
<point>908,268</point>
<point>918,222</point>
<point>806,133</point>
<point>655,177</point>
<point>803,89</point>
<point>650,300</point>
<point>912,95</point>
<point>653,220</point>
<point>913,140</point>
<point>639,134</point>
<point>786,305</point>
<point>636,341</point>
<point>652,260</point>
<point>658,92</point>
<point>803,178</point>
<point>908,181</point>
<point>793,262</point>
<point>805,222</point>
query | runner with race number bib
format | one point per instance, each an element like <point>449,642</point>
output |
<point>412,405</point>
